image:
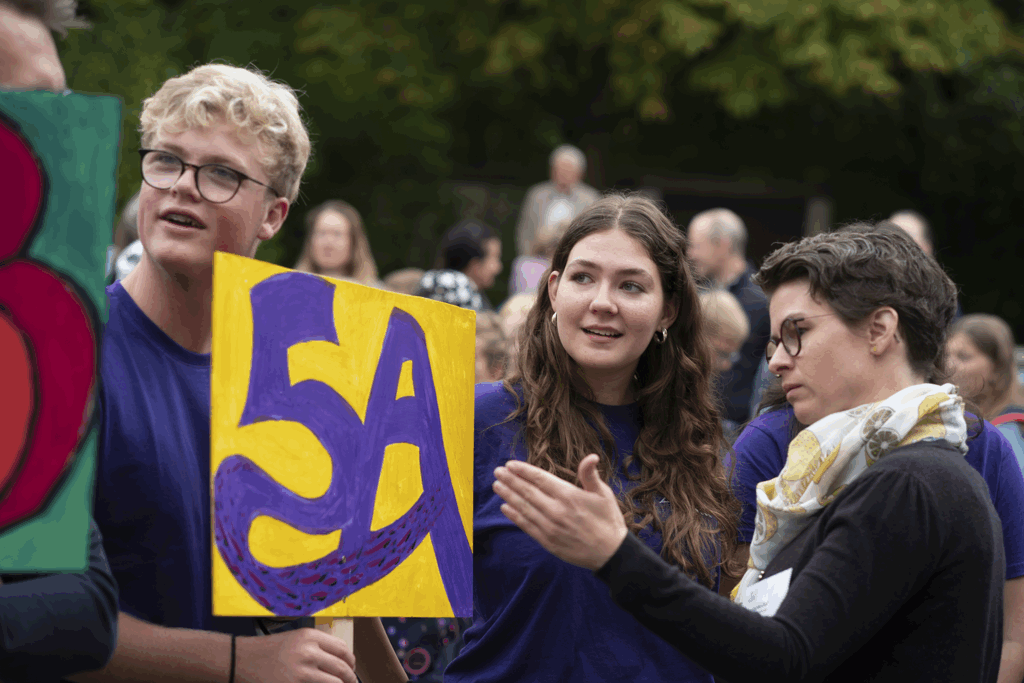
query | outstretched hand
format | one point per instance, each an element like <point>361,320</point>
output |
<point>581,526</point>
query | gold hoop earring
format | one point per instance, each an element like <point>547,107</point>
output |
<point>661,335</point>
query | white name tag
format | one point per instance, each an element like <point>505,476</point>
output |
<point>764,597</point>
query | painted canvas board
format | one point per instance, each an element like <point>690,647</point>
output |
<point>341,448</point>
<point>58,156</point>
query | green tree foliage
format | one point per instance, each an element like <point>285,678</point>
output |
<point>882,103</point>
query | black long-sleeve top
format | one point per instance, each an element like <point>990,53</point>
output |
<point>899,579</point>
<point>56,625</point>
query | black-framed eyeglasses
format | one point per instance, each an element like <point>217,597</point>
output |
<point>215,183</point>
<point>789,337</point>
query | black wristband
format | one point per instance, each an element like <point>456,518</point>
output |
<point>231,676</point>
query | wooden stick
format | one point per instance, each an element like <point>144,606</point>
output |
<point>339,628</point>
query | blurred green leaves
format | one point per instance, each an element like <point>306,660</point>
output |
<point>402,96</point>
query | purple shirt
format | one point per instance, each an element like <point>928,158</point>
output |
<point>153,480</point>
<point>535,617</point>
<point>761,454</point>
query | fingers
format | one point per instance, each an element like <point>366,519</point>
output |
<point>333,672</point>
<point>531,529</point>
<point>325,677</point>
<point>589,476</point>
<point>335,646</point>
<point>524,498</point>
<point>528,490</point>
<point>545,481</point>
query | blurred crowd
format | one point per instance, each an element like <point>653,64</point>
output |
<point>469,260</point>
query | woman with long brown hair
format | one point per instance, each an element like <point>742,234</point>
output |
<point>982,356</point>
<point>612,360</point>
<point>336,244</point>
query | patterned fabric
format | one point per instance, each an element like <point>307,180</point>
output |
<point>425,646</point>
<point>834,451</point>
<point>451,287</point>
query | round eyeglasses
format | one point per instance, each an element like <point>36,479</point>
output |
<point>215,183</point>
<point>789,337</point>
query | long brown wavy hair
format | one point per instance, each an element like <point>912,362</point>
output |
<point>680,444</point>
<point>361,267</point>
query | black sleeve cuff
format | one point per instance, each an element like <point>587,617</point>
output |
<point>635,574</point>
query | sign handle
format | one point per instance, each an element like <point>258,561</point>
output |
<point>339,628</point>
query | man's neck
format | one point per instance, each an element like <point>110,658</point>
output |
<point>180,305</point>
<point>734,267</point>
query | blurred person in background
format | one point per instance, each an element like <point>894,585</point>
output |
<point>728,329</point>
<point>982,352</point>
<point>450,287</point>
<point>917,226</point>
<point>528,271</point>
<point>336,244</point>
<point>53,625</point>
<point>514,311</point>
<point>920,230</point>
<point>717,244</point>
<point>491,348</point>
<point>513,315</point>
<point>403,280</point>
<point>556,200</point>
<point>126,239</point>
<point>469,252</point>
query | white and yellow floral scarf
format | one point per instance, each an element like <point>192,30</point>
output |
<point>834,451</point>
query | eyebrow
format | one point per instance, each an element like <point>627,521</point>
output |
<point>207,159</point>
<point>792,316</point>
<point>583,263</point>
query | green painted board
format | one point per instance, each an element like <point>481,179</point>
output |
<point>58,162</point>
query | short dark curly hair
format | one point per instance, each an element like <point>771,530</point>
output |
<point>57,15</point>
<point>865,266</point>
<point>465,241</point>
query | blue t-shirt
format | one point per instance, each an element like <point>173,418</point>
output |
<point>761,454</point>
<point>153,480</point>
<point>537,618</point>
<point>1012,432</point>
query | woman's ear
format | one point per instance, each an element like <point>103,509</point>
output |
<point>553,286</point>
<point>671,311</point>
<point>883,327</point>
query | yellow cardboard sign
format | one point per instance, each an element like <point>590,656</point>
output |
<point>341,448</point>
